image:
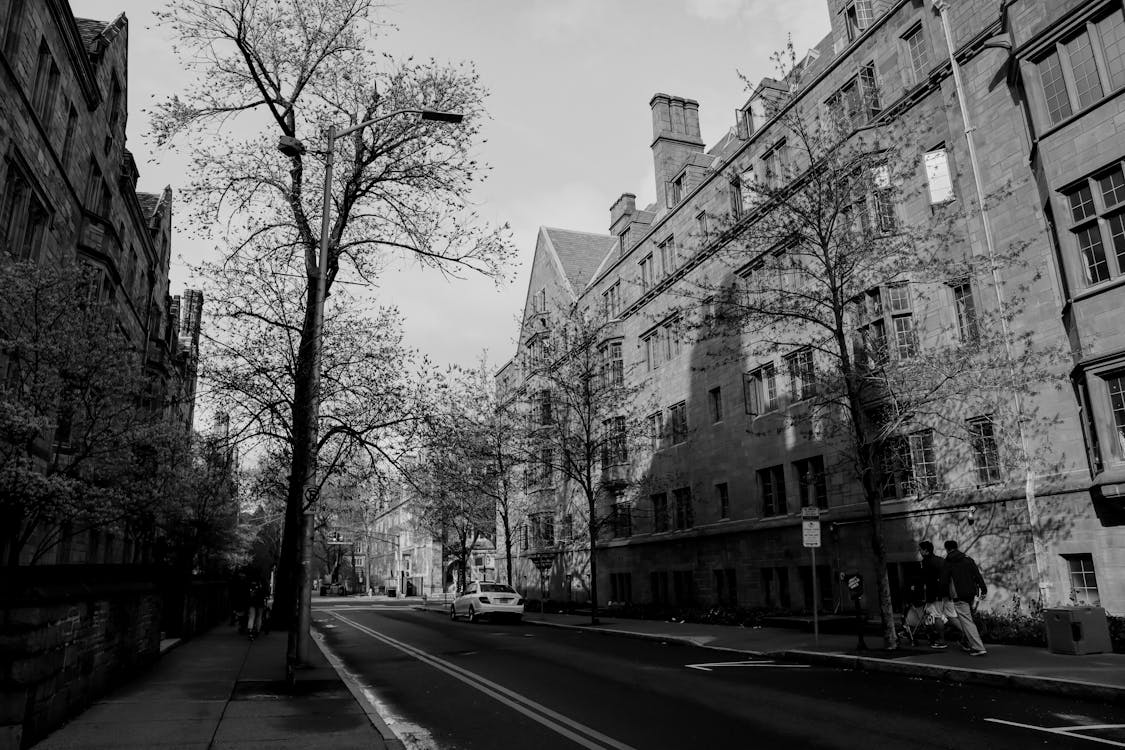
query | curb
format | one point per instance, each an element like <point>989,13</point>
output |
<point>1028,683</point>
<point>390,739</point>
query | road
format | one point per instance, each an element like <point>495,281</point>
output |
<point>446,685</point>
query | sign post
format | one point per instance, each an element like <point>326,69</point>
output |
<point>810,533</point>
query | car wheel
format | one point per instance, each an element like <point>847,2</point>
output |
<point>452,612</point>
<point>472,614</point>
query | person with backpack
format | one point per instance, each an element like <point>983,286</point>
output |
<point>962,579</point>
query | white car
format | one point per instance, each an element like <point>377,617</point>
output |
<point>484,599</point>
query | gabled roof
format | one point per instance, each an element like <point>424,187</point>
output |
<point>149,203</point>
<point>90,31</point>
<point>580,253</point>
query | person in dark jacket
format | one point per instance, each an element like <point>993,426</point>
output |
<point>939,609</point>
<point>961,577</point>
<point>257,606</point>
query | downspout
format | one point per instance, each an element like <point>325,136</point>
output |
<point>1030,500</point>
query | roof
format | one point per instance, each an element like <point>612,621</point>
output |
<point>149,203</point>
<point>580,253</point>
<point>90,31</point>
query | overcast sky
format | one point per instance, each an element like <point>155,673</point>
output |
<point>569,82</point>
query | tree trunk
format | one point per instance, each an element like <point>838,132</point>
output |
<point>593,529</point>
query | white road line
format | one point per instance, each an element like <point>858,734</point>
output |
<point>1067,731</point>
<point>706,667</point>
<point>545,716</point>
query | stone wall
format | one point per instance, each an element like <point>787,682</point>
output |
<point>68,635</point>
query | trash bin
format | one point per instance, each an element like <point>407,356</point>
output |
<point>1077,630</point>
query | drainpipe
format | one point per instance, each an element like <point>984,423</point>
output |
<point>1038,550</point>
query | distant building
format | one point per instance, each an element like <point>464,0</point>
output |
<point>719,520</point>
<point>68,188</point>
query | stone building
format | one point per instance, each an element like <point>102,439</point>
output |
<point>733,460</point>
<point>68,190</point>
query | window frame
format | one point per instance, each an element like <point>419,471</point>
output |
<point>1061,85</point>
<point>677,423</point>
<point>916,45</point>
<point>1087,576</point>
<point>800,365</point>
<point>715,404</point>
<point>985,449</point>
<point>1095,228</point>
<point>771,486</point>
<point>812,482</point>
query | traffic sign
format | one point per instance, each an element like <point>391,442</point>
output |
<point>810,533</point>
<point>810,513</point>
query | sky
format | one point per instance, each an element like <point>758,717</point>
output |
<point>569,84</point>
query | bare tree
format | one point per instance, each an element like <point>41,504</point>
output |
<point>582,425</point>
<point>293,69</point>
<point>818,277</point>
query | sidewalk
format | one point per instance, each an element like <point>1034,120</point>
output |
<point>219,690</point>
<point>1094,676</point>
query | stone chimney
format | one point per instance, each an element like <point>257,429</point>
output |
<point>675,137</point>
<point>621,213</point>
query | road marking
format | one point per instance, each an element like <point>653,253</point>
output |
<point>706,667</point>
<point>1069,731</point>
<point>545,716</point>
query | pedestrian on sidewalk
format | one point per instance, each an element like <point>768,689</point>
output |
<point>256,609</point>
<point>939,609</point>
<point>962,579</point>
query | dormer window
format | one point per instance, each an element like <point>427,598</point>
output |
<point>676,190</point>
<point>857,17</point>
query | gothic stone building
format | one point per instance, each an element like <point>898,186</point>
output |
<point>718,521</point>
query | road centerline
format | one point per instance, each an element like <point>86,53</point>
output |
<point>535,711</point>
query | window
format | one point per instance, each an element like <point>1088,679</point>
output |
<point>938,176</point>
<point>812,482</point>
<point>722,492</point>
<point>675,191</point>
<point>567,532</point>
<point>614,451</point>
<point>660,511</point>
<point>771,482</point>
<point>667,250</point>
<point>883,200</point>
<point>1083,581</point>
<point>622,517</point>
<point>1082,68</point>
<point>656,430</point>
<point>715,403</point>
<point>775,587</point>
<point>965,310</point>
<point>703,225</point>
<point>735,192</point>
<point>658,584</point>
<point>68,136</point>
<point>677,417</point>
<point>685,516</point>
<point>546,465</point>
<point>986,453</point>
<point>802,377</point>
<point>612,298</point>
<point>857,17</point>
<point>774,165</point>
<point>856,102</point>
<point>878,311</point>
<point>46,85</point>
<point>1097,213</point>
<point>726,587</point>
<point>647,273</point>
<point>917,52</point>
<point>12,27</point>
<point>539,301</point>
<point>670,338</point>
<point>24,218</point>
<point>542,529</point>
<point>651,342</point>
<point>893,469</point>
<point>923,465</point>
<point>614,365</point>
<point>621,587</point>
<point>114,103</point>
<point>1115,385</point>
<point>760,390</point>
<point>544,404</point>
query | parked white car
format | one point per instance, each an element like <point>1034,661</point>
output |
<point>484,599</point>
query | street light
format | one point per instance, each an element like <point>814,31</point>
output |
<point>298,645</point>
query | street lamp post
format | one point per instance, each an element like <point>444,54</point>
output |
<point>298,644</point>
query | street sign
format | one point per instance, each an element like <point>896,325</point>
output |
<point>810,533</point>
<point>810,513</point>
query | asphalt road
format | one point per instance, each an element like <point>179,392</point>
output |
<point>454,685</point>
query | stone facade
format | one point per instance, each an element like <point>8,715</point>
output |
<point>1037,155</point>
<point>68,194</point>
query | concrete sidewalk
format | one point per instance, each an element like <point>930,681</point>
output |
<point>1094,676</point>
<point>219,690</point>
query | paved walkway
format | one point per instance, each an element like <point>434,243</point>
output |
<point>219,690</point>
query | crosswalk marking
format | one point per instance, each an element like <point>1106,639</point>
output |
<point>1074,731</point>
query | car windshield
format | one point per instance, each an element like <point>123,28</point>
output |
<point>497,588</point>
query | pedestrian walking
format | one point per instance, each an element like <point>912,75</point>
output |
<point>256,608</point>
<point>961,577</point>
<point>939,610</point>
